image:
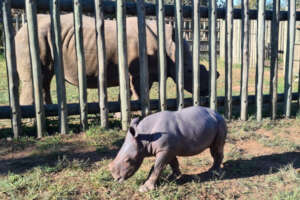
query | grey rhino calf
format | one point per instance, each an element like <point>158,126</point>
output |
<point>166,135</point>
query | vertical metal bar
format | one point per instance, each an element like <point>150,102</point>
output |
<point>274,57</point>
<point>245,60</point>
<point>123,64</point>
<point>213,53</point>
<point>102,67</point>
<point>228,58</point>
<point>58,65</point>
<point>179,55</point>
<point>260,57</point>
<point>160,15</point>
<point>290,58</point>
<point>80,63</point>
<point>11,65</point>
<point>36,66</point>
<point>143,59</point>
<point>196,52</point>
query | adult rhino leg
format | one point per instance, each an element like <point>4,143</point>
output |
<point>134,88</point>
<point>46,78</point>
<point>26,96</point>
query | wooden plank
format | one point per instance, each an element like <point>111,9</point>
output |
<point>290,58</point>
<point>162,68</point>
<point>58,65</point>
<point>11,66</point>
<point>143,59</point>
<point>123,64</point>
<point>196,51</point>
<point>17,23</point>
<point>228,59</point>
<point>274,58</point>
<point>179,55</point>
<point>23,19</point>
<point>245,60</point>
<point>222,33</point>
<point>93,108</point>
<point>131,9</point>
<point>80,63</point>
<point>260,57</point>
<point>102,67</point>
<point>36,66</point>
<point>213,54</point>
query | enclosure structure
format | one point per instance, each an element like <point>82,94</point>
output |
<point>120,9</point>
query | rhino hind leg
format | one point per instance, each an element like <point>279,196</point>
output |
<point>217,150</point>
<point>217,147</point>
<point>26,96</point>
<point>218,155</point>
<point>46,89</point>
<point>175,167</point>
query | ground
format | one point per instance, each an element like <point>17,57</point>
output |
<point>262,160</point>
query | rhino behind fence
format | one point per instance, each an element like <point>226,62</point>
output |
<point>122,9</point>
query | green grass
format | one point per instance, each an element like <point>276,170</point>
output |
<point>3,82</point>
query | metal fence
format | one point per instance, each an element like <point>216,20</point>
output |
<point>120,9</point>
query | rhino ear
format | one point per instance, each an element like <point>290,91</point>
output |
<point>132,131</point>
<point>134,122</point>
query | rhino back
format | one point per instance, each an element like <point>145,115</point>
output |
<point>186,132</point>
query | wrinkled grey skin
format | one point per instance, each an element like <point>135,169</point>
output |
<point>166,135</point>
<point>90,49</point>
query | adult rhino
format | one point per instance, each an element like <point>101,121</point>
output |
<point>89,35</point>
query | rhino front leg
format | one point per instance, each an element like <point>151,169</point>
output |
<point>162,158</point>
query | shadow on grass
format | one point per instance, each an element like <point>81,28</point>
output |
<point>261,165</point>
<point>21,165</point>
<point>52,127</point>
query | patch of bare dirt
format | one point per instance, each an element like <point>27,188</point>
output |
<point>254,148</point>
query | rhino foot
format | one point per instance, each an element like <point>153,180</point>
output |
<point>146,187</point>
<point>174,176</point>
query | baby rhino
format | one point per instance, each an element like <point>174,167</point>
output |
<point>166,135</point>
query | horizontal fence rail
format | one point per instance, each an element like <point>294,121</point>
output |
<point>131,9</point>
<point>93,108</point>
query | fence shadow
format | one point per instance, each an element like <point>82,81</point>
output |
<point>261,165</point>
